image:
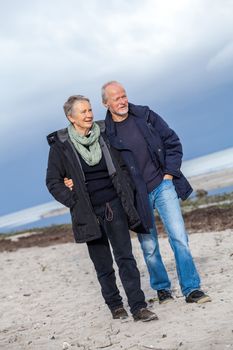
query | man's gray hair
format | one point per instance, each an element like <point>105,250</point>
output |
<point>103,89</point>
<point>68,105</point>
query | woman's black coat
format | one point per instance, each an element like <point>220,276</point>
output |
<point>64,162</point>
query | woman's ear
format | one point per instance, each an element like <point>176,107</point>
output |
<point>69,117</point>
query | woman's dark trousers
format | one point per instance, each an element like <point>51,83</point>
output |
<point>114,229</point>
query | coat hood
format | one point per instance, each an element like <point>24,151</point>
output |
<point>59,135</point>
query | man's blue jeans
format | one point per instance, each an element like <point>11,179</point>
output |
<point>164,199</point>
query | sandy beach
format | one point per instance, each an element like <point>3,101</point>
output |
<point>50,300</point>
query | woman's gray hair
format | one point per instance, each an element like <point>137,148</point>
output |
<point>103,89</point>
<point>68,105</point>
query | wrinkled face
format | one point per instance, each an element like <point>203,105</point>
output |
<point>116,100</point>
<point>81,116</point>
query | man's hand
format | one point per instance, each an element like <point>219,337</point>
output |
<point>69,183</point>
<point>168,177</point>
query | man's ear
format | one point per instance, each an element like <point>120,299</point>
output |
<point>105,104</point>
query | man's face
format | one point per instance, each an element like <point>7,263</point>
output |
<point>116,100</point>
<point>81,116</point>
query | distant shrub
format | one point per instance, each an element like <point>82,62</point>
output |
<point>201,193</point>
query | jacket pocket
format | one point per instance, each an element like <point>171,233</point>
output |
<point>76,218</point>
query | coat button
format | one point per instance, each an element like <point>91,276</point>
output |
<point>159,149</point>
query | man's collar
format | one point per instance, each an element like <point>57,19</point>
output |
<point>110,125</point>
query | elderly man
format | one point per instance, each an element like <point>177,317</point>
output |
<point>100,202</point>
<point>153,152</point>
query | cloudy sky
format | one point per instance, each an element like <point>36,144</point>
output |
<point>175,56</point>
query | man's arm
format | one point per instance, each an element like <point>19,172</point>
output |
<point>69,182</point>
<point>116,154</point>
<point>172,147</point>
<point>56,173</point>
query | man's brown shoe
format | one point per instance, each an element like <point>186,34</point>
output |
<point>197,296</point>
<point>144,315</point>
<point>119,314</point>
<point>164,296</point>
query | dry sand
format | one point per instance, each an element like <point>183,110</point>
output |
<point>50,300</point>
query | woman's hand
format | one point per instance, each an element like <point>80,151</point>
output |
<point>69,183</point>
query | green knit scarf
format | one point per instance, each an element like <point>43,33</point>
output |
<point>92,152</point>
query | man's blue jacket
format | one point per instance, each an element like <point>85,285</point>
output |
<point>164,147</point>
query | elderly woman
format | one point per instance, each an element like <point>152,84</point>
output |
<point>100,202</point>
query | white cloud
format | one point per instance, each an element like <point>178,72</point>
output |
<point>223,59</point>
<point>50,49</point>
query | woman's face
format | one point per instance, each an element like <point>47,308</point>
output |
<point>81,117</point>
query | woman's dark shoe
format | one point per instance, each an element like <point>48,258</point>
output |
<point>144,315</point>
<point>119,314</point>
